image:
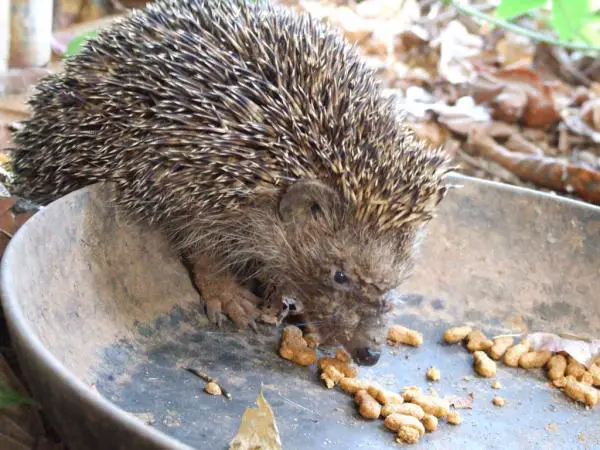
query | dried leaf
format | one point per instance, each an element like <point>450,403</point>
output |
<point>258,428</point>
<point>583,351</point>
<point>546,172</point>
<point>458,402</point>
<point>457,45</point>
<point>540,109</point>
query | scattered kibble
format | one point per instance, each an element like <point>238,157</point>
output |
<point>353,385</point>
<point>408,435</point>
<point>293,347</point>
<point>454,418</point>
<point>457,334</point>
<point>501,344</point>
<point>368,407</point>
<point>397,334</point>
<point>430,422</point>
<point>556,367</point>
<point>484,366</point>
<point>213,388</point>
<point>534,360</point>
<point>582,393</point>
<point>575,368</point>
<point>498,401</point>
<point>496,385</point>
<point>433,374</point>
<point>383,396</point>
<point>395,421</point>
<point>435,406</point>
<point>407,409</point>
<point>514,353</point>
<point>410,392</point>
<point>477,341</point>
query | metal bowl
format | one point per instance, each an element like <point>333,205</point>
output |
<point>103,315</point>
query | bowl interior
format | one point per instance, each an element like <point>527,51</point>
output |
<point>114,305</point>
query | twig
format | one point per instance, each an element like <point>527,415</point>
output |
<point>536,36</point>
<point>208,379</point>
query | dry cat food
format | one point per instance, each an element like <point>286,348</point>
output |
<point>368,407</point>
<point>433,374</point>
<point>454,418</point>
<point>397,334</point>
<point>577,381</point>
<point>294,347</point>
<point>457,334</point>
<point>213,388</point>
<point>498,401</point>
<point>484,365</point>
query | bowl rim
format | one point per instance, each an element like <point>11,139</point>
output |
<point>19,326</point>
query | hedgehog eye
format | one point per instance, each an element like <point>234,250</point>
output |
<point>340,277</point>
<point>315,209</point>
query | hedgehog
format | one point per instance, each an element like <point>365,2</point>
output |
<point>259,141</point>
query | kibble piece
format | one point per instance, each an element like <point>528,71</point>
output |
<point>586,378</point>
<point>501,344</point>
<point>384,397</point>
<point>353,385</point>
<point>407,409</point>
<point>430,422</point>
<point>484,366</point>
<point>454,418</point>
<point>595,372</point>
<point>368,407</point>
<point>212,388</point>
<point>433,374</point>
<point>498,401</point>
<point>435,406</point>
<point>408,435</point>
<point>534,360</point>
<point>341,366</point>
<point>582,392</point>
<point>514,353</point>
<point>575,368</point>
<point>556,367</point>
<point>331,376</point>
<point>477,341</point>
<point>562,381</point>
<point>395,421</point>
<point>496,385</point>
<point>411,392</point>
<point>457,334</point>
<point>293,347</point>
<point>397,334</point>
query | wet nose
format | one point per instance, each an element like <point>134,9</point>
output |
<point>365,356</point>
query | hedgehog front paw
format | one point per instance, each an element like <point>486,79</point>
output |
<point>236,303</point>
<point>223,296</point>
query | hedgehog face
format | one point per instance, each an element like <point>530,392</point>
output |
<point>339,273</point>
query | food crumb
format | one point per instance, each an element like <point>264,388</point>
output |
<point>433,374</point>
<point>397,334</point>
<point>456,334</point>
<point>496,385</point>
<point>430,422</point>
<point>498,401</point>
<point>212,388</point>
<point>467,378</point>
<point>408,435</point>
<point>484,365</point>
<point>454,418</point>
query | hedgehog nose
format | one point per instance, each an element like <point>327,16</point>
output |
<point>365,356</point>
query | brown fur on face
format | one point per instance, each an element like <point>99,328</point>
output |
<point>312,235</point>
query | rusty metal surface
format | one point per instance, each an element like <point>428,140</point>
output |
<point>103,316</point>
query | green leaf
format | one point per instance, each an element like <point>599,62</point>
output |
<point>509,9</point>
<point>9,397</point>
<point>76,43</point>
<point>590,33</point>
<point>569,16</point>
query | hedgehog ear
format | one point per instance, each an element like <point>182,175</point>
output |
<point>307,200</point>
